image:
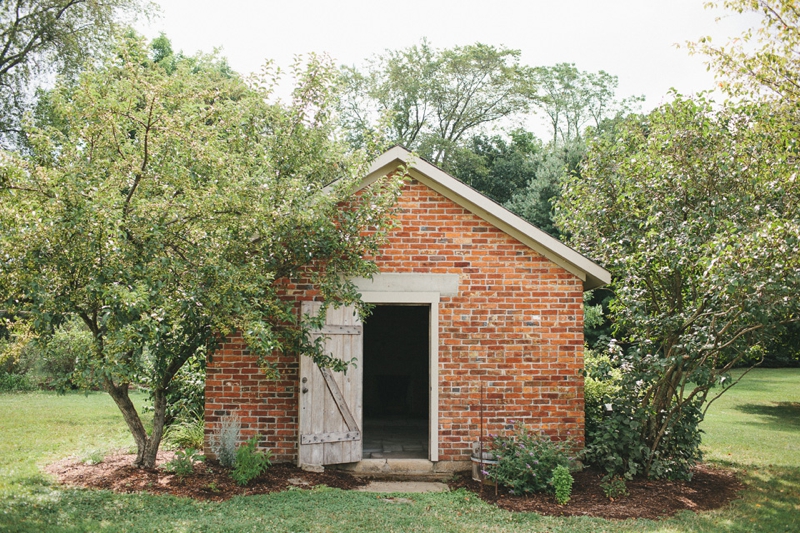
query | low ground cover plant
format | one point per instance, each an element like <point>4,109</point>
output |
<point>250,462</point>
<point>614,487</point>
<point>245,461</point>
<point>225,438</point>
<point>526,461</point>
<point>183,462</point>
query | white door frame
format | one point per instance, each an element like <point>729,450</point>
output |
<point>432,300</point>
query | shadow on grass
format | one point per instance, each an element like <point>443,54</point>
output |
<point>768,503</point>
<point>782,415</point>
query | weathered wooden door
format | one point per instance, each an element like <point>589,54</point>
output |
<point>330,402</point>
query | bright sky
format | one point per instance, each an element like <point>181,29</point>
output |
<point>632,39</point>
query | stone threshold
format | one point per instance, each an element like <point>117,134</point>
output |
<point>397,469</point>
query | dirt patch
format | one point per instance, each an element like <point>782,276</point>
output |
<point>710,488</point>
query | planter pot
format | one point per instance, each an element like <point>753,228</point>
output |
<point>480,464</point>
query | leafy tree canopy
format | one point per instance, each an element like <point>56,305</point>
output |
<point>164,200</point>
<point>765,61</point>
<point>696,212</point>
<point>495,165</point>
<point>429,100</point>
<point>39,37</point>
<point>573,99</point>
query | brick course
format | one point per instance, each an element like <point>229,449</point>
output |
<point>516,326</point>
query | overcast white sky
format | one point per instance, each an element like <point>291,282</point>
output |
<point>632,39</point>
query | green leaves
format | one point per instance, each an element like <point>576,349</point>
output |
<point>694,209</point>
<point>428,100</point>
<point>168,206</point>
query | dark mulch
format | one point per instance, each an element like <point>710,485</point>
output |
<point>710,488</point>
<point>209,481</point>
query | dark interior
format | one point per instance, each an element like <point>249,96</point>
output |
<point>396,362</point>
<point>396,381</point>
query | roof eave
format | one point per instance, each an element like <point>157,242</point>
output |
<point>592,274</point>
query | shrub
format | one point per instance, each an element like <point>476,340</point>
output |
<point>19,350</point>
<point>620,425</point>
<point>613,487</point>
<point>15,383</point>
<point>526,461</point>
<point>562,484</point>
<point>618,445</point>
<point>250,463</point>
<point>600,384</point>
<point>183,462</point>
<point>225,438</point>
<point>56,365</point>
<point>45,361</point>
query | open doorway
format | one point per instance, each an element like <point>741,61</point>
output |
<point>396,382</point>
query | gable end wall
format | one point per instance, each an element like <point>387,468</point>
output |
<point>516,325</point>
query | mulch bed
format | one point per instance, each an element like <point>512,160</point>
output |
<point>209,481</point>
<point>710,488</point>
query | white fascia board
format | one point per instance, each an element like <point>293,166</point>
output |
<point>592,274</point>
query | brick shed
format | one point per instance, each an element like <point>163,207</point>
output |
<point>476,311</point>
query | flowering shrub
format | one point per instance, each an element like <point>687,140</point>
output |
<point>526,461</point>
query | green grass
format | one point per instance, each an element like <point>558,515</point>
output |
<point>751,424</point>
<point>39,427</point>
<point>757,423</point>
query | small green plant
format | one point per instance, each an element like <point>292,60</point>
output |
<point>614,487</point>
<point>525,460</point>
<point>188,432</point>
<point>183,462</point>
<point>225,438</point>
<point>562,484</point>
<point>250,463</point>
<point>213,487</point>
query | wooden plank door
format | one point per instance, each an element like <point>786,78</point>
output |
<point>330,402</point>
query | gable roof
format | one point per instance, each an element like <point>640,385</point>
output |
<point>592,274</point>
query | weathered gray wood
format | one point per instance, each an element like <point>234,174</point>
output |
<point>331,402</point>
<point>322,438</point>
<point>341,403</point>
<point>341,330</point>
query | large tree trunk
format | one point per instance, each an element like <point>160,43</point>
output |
<point>146,446</point>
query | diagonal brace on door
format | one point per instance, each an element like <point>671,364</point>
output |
<point>349,419</point>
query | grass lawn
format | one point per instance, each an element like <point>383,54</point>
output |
<point>755,429</point>
<point>757,423</point>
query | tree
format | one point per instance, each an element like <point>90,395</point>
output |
<point>430,99</point>
<point>696,211</point>
<point>764,62</point>
<point>536,201</point>
<point>764,65</point>
<point>497,166</point>
<point>573,99</point>
<point>165,203</point>
<point>39,37</point>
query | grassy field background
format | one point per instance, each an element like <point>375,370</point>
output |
<point>754,429</point>
<point>757,423</point>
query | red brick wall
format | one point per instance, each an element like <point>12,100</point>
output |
<point>516,326</point>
